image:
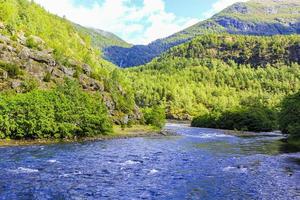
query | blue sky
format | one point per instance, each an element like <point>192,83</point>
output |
<point>184,8</point>
<point>137,21</point>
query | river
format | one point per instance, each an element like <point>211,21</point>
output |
<point>196,164</point>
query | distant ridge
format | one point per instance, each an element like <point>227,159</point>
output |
<point>255,17</point>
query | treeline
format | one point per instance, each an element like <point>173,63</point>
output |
<point>256,51</point>
<point>289,116</point>
<point>254,117</point>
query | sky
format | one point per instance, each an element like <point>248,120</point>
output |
<point>137,21</point>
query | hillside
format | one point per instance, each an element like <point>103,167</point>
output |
<point>255,17</point>
<point>102,39</point>
<point>218,73</point>
<point>256,51</point>
<point>40,51</point>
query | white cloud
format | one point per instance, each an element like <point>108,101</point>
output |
<point>220,5</point>
<point>135,24</point>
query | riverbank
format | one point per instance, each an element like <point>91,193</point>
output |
<point>118,133</point>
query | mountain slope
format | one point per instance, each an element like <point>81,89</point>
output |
<point>256,51</point>
<point>39,50</point>
<point>102,38</point>
<point>255,17</point>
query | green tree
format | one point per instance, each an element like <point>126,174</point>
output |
<point>289,118</point>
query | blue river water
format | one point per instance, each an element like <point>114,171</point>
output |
<point>196,164</point>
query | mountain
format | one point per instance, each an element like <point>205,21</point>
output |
<point>255,17</point>
<point>102,38</point>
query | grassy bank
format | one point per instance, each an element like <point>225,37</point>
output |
<point>118,133</point>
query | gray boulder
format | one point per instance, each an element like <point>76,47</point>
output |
<point>3,74</point>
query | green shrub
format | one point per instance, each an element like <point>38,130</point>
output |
<point>289,117</point>
<point>65,112</point>
<point>13,70</point>
<point>47,77</point>
<point>31,43</point>
<point>249,119</point>
<point>155,116</point>
<point>208,121</point>
<point>30,84</point>
<point>246,119</point>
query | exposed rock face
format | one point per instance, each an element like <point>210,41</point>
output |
<point>2,26</point>
<point>67,71</point>
<point>236,26</point>
<point>16,84</point>
<point>21,38</point>
<point>87,69</point>
<point>3,75</point>
<point>35,62</point>
<point>90,84</point>
<point>240,8</point>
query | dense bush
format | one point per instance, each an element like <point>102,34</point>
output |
<point>209,120</point>
<point>256,118</point>
<point>155,116</point>
<point>31,43</point>
<point>289,118</point>
<point>65,112</point>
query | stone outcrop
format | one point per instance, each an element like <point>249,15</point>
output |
<point>3,75</point>
<point>237,26</point>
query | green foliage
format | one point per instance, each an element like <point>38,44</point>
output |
<point>256,51</point>
<point>47,77</point>
<point>289,118</point>
<point>58,33</point>
<point>66,112</point>
<point>30,84</point>
<point>155,116</point>
<point>70,46</point>
<point>191,87</point>
<point>219,73</point>
<point>13,70</point>
<point>255,118</point>
<point>31,43</point>
<point>209,120</point>
<point>121,91</point>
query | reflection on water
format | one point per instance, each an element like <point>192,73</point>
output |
<point>196,164</point>
<point>270,147</point>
